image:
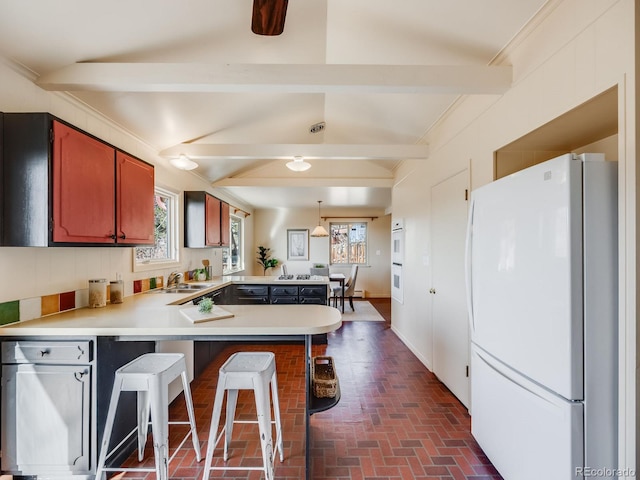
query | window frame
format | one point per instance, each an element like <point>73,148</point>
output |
<point>349,226</point>
<point>173,234</point>
<point>241,263</point>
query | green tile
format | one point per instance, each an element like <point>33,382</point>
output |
<point>9,312</point>
<point>152,283</point>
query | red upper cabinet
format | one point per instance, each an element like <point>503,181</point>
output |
<point>134,200</point>
<point>212,221</point>
<point>206,220</point>
<point>83,193</point>
<point>62,186</point>
<point>225,225</point>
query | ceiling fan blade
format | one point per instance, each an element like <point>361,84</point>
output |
<point>268,16</point>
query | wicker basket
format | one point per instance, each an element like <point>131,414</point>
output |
<point>324,378</point>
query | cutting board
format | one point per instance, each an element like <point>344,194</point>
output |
<point>195,316</point>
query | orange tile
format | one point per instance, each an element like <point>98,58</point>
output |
<point>50,304</point>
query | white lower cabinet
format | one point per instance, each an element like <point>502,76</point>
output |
<point>46,408</point>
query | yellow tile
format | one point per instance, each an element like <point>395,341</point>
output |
<point>50,304</point>
<point>145,285</point>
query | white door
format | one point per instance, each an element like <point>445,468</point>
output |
<point>450,322</point>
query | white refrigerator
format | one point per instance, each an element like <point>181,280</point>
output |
<point>542,296</point>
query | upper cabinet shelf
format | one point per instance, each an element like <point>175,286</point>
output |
<point>62,186</point>
<point>206,221</point>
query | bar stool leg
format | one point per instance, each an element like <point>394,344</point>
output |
<point>213,430</point>
<point>191,414</point>
<point>160,421</point>
<point>143,422</point>
<point>276,414</point>
<point>263,410</point>
<point>108,426</point>
<point>232,401</point>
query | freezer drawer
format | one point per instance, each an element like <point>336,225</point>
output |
<point>527,432</point>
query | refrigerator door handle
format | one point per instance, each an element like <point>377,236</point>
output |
<point>467,266</point>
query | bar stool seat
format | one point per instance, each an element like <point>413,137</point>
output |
<point>247,371</point>
<point>149,375</point>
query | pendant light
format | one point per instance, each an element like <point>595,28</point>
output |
<point>319,231</point>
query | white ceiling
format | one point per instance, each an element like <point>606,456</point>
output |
<point>190,76</point>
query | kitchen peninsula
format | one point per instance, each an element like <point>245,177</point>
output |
<point>75,353</point>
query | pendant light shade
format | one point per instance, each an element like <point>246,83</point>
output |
<point>319,231</point>
<point>298,165</point>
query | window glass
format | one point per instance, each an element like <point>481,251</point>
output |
<point>348,243</point>
<point>165,231</point>
<point>232,260</point>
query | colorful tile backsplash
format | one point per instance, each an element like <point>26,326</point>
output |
<point>36,307</point>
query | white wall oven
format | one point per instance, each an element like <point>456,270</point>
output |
<point>397,259</point>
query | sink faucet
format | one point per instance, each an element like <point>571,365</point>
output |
<point>174,278</point>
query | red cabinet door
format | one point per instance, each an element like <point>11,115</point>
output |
<point>83,188</point>
<point>225,231</point>
<point>212,221</point>
<point>134,200</point>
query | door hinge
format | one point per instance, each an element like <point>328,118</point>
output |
<point>51,135</point>
<point>467,371</point>
<point>466,194</point>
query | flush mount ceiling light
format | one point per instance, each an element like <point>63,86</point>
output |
<point>183,163</point>
<point>319,231</point>
<point>298,165</point>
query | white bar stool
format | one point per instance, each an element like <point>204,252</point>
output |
<point>247,371</point>
<point>150,376</point>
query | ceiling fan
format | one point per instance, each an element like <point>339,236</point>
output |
<point>268,17</point>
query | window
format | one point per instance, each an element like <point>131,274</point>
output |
<point>165,249</point>
<point>348,243</point>
<point>232,260</point>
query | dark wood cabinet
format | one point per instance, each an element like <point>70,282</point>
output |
<point>62,186</point>
<point>206,220</point>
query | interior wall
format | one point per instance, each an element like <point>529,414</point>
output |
<point>271,231</point>
<point>573,51</point>
<point>43,271</point>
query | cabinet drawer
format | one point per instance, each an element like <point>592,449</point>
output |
<point>284,299</point>
<point>252,290</point>
<point>46,352</point>
<point>252,300</point>
<point>313,290</point>
<point>313,300</point>
<point>288,290</point>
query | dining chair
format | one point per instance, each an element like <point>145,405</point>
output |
<point>349,288</point>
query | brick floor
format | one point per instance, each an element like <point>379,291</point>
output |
<point>395,420</point>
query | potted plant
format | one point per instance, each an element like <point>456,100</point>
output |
<point>265,260</point>
<point>200,274</point>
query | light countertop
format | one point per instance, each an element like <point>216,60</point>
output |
<point>157,315</point>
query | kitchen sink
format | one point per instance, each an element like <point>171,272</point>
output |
<point>182,288</point>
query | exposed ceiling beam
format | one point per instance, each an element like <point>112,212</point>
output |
<point>320,151</point>
<point>304,182</point>
<point>276,78</point>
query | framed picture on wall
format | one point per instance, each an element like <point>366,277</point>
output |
<point>297,244</point>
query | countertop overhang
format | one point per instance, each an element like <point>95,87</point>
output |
<point>157,315</point>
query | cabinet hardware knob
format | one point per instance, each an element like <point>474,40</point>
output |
<point>81,374</point>
<point>113,236</point>
<point>123,236</point>
<point>44,352</point>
